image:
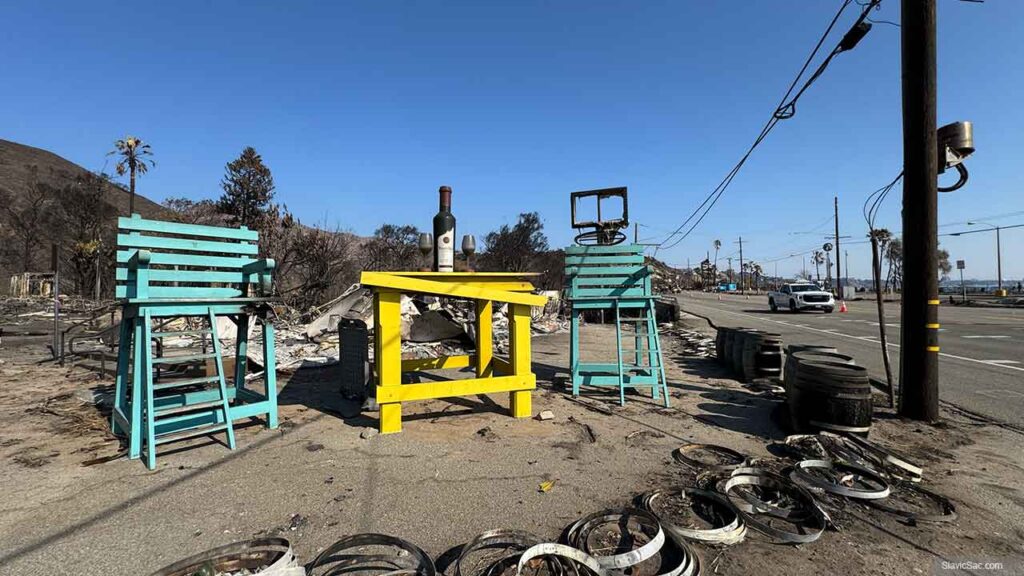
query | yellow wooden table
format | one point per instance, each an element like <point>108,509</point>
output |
<point>493,374</point>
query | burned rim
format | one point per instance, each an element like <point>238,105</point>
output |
<point>268,555</point>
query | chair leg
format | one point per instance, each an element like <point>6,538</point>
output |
<point>574,352</point>
<point>618,348</point>
<point>241,349</point>
<point>147,379</point>
<point>218,359</point>
<point>270,372</point>
<point>658,355</point>
<point>651,330</point>
<point>638,344</point>
<point>139,346</point>
<point>124,343</point>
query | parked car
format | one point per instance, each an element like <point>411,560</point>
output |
<point>801,296</point>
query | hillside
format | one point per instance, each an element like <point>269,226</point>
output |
<point>55,174</point>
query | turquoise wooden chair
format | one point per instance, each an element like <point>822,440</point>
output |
<point>614,279</point>
<point>168,271</point>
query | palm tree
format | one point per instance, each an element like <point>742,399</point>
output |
<point>819,259</point>
<point>756,270</point>
<point>718,244</point>
<point>880,239</point>
<point>132,159</point>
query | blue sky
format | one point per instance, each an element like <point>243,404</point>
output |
<point>362,109</point>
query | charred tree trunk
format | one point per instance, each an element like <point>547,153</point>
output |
<point>876,272</point>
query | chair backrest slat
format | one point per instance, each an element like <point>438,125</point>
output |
<point>190,276</point>
<point>160,226</point>
<point>177,292</point>
<point>610,260</point>
<point>166,243</point>
<point>189,259</point>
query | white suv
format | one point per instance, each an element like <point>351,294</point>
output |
<point>801,296</point>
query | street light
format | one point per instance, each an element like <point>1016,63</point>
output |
<point>999,257</point>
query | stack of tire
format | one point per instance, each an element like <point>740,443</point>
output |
<point>826,390</point>
<point>750,353</point>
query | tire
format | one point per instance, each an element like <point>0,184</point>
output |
<point>828,310</point>
<point>792,307</point>
<point>771,304</point>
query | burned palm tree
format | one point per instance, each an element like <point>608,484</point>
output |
<point>133,160</point>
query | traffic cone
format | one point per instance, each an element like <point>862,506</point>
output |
<point>719,296</point>
<point>842,305</point>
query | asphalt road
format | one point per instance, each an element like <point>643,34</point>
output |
<point>981,365</point>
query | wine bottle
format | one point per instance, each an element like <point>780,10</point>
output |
<point>444,233</point>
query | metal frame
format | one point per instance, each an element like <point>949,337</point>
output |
<point>601,194</point>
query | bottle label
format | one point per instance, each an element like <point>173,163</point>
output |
<point>446,252</point>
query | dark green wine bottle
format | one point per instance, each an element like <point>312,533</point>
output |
<point>444,233</point>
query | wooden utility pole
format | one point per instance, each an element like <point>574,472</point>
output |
<point>839,267</point>
<point>743,285</point>
<point>919,333</point>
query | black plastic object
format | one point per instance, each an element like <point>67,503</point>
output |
<point>354,339</point>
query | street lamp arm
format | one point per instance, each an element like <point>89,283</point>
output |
<point>990,226</point>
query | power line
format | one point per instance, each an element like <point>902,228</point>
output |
<point>980,230</point>
<point>784,110</point>
<point>996,217</point>
<point>875,199</point>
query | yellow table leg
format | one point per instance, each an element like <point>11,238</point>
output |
<point>484,338</point>
<point>388,345</point>
<point>519,351</point>
<point>520,404</point>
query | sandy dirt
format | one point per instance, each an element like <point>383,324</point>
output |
<point>460,467</point>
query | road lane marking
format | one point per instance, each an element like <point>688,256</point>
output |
<point>864,338</point>
<point>999,394</point>
<point>991,336</point>
<point>1002,362</point>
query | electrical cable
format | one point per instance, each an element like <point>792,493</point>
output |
<point>785,109</point>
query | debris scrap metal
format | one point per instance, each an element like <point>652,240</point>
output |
<point>727,496</point>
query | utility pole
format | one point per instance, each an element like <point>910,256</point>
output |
<point>919,334</point>
<point>839,267</point>
<point>636,233</point>
<point>743,286</point>
<point>730,269</point>
<point>999,263</point>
